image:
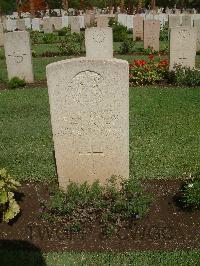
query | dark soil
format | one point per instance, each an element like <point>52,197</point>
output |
<point>165,227</point>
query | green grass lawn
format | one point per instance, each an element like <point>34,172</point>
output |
<point>164,133</point>
<point>180,258</point>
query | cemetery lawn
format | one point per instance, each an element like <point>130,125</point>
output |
<point>164,139</point>
<point>182,258</point>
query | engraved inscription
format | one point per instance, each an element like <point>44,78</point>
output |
<point>86,87</point>
<point>17,57</point>
<point>99,36</point>
<point>184,34</point>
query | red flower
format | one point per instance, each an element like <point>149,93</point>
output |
<point>140,63</point>
<point>151,56</point>
<point>163,63</point>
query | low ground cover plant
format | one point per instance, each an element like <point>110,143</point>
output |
<point>9,207</point>
<point>72,45</point>
<point>147,72</point>
<point>190,194</point>
<point>16,82</point>
<point>120,32</point>
<point>184,76</point>
<point>112,205</point>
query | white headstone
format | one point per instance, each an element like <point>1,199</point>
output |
<point>36,24</point>
<point>1,34</point>
<point>197,28</point>
<point>18,55</point>
<point>99,43</point>
<point>182,47</point>
<point>89,104</point>
<point>65,22</point>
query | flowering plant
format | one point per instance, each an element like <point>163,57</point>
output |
<point>151,71</point>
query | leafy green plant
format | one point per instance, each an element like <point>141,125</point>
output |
<point>49,38</point>
<point>148,72</point>
<point>35,36</point>
<point>164,35</point>
<point>120,32</point>
<point>63,31</point>
<point>72,45</point>
<point>34,53</point>
<point>117,202</point>
<point>9,208</point>
<point>184,76</point>
<point>16,82</point>
<point>127,47</point>
<point>190,194</point>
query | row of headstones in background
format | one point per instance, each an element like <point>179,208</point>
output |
<point>182,45</point>
<point>51,23</point>
<point>89,105</point>
<point>182,20</point>
<point>128,20</point>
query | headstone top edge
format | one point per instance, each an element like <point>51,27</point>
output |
<point>86,60</point>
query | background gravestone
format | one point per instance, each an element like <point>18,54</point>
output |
<point>36,24</point>
<point>102,21</point>
<point>182,46</point>
<point>18,55</point>
<point>99,43</point>
<point>152,34</point>
<point>1,34</point>
<point>20,24</point>
<point>75,24</point>
<point>138,27</point>
<point>197,28</point>
<point>47,25</point>
<point>187,21</point>
<point>89,104</point>
<point>174,21</point>
<point>56,22</point>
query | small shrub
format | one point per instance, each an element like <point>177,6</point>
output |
<point>164,34</point>
<point>184,76</point>
<point>63,31</point>
<point>34,53</point>
<point>16,83</point>
<point>9,208</point>
<point>49,38</point>
<point>191,194</point>
<point>127,47</point>
<point>72,45</point>
<point>35,36</point>
<point>120,32</point>
<point>111,205</point>
<point>148,72</point>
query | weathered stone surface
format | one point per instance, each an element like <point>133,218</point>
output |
<point>1,34</point>
<point>138,27</point>
<point>36,24</point>
<point>182,46</point>
<point>89,104</point>
<point>102,21</point>
<point>20,24</point>
<point>187,21</point>
<point>174,21</point>
<point>75,24</point>
<point>152,34</point>
<point>99,43</point>
<point>18,55</point>
<point>197,28</point>
<point>47,25</point>
<point>65,21</point>
<point>56,22</point>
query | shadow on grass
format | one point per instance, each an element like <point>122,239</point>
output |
<point>18,253</point>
